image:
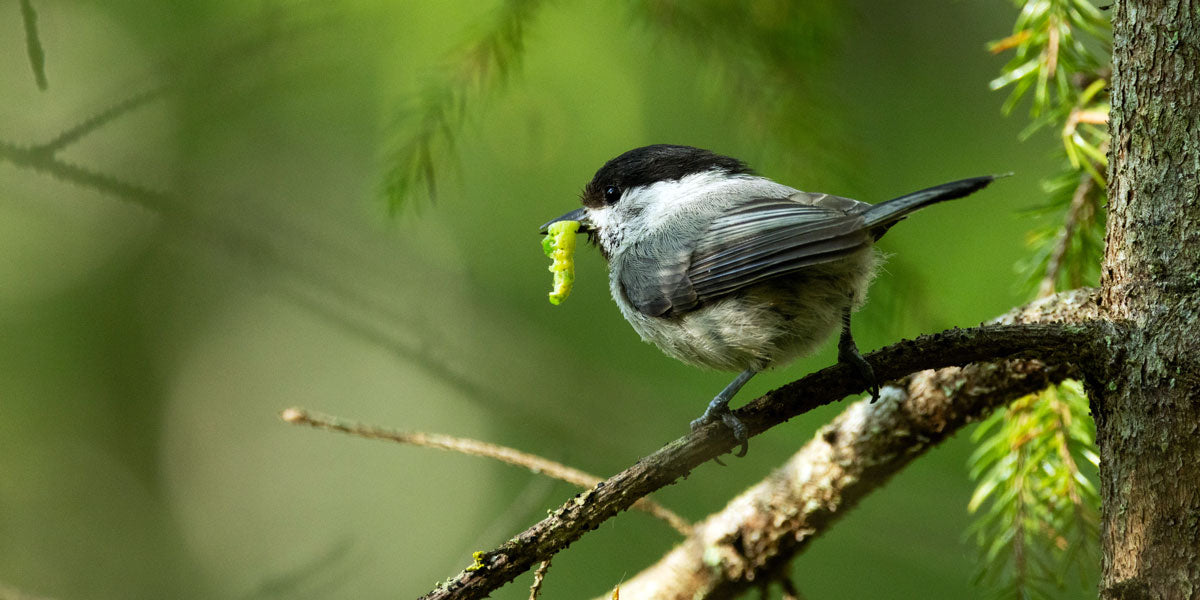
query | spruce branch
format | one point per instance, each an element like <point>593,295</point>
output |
<point>441,107</point>
<point>1055,344</point>
<point>1051,42</point>
<point>1066,42</point>
<point>1036,510</point>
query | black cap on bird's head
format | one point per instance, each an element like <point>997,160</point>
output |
<point>650,164</point>
<point>645,166</point>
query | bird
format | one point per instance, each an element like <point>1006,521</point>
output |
<point>725,269</point>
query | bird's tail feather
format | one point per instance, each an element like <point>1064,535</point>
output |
<point>885,214</point>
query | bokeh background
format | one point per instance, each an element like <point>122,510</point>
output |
<point>230,250</point>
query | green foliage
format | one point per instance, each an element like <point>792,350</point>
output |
<point>1054,40</point>
<point>1061,52</point>
<point>1037,523</point>
<point>440,110</point>
<point>766,53</point>
<point>1065,250</point>
<point>1035,500</point>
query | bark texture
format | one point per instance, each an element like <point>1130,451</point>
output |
<point>753,540</point>
<point>1147,404</point>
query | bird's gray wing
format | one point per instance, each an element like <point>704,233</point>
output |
<point>750,243</point>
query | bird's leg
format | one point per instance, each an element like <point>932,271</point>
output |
<point>848,353</point>
<point>719,409</point>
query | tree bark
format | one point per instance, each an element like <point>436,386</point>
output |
<point>1147,401</point>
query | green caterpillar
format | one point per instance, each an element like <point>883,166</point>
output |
<point>559,245</point>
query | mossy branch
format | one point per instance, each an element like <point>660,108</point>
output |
<point>1054,344</point>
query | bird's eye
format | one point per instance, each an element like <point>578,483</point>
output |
<point>612,193</point>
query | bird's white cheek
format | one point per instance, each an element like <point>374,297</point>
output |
<point>599,217</point>
<point>610,236</point>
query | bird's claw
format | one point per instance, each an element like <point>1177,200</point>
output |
<point>848,354</point>
<point>739,432</point>
<point>868,374</point>
<point>720,411</point>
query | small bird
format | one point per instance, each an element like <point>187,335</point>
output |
<point>725,269</point>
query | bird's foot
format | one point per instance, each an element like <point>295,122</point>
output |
<point>718,410</point>
<point>849,355</point>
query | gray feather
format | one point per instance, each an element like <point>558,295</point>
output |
<point>885,214</point>
<point>751,242</point>
<point>728,245</point>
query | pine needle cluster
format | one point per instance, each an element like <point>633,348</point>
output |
<point>1035,465</point>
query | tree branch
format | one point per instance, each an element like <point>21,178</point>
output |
<point>91,124</point>
<point>759,532</point>
<point>33,45</point>
<point>1054,343</point>
<point>512,456</point>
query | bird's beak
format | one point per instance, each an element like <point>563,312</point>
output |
<point>579,214</point>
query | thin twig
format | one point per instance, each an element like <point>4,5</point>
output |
<point>1050,55</point>
<point>33,45</point>
<point>45,162</point>
<point>538,577</point>
<point>109,115</point>
<point>512,456</point>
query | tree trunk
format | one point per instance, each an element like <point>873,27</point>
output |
<point>1147,403</point>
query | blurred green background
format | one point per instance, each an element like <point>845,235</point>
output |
<point>231,254</point>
